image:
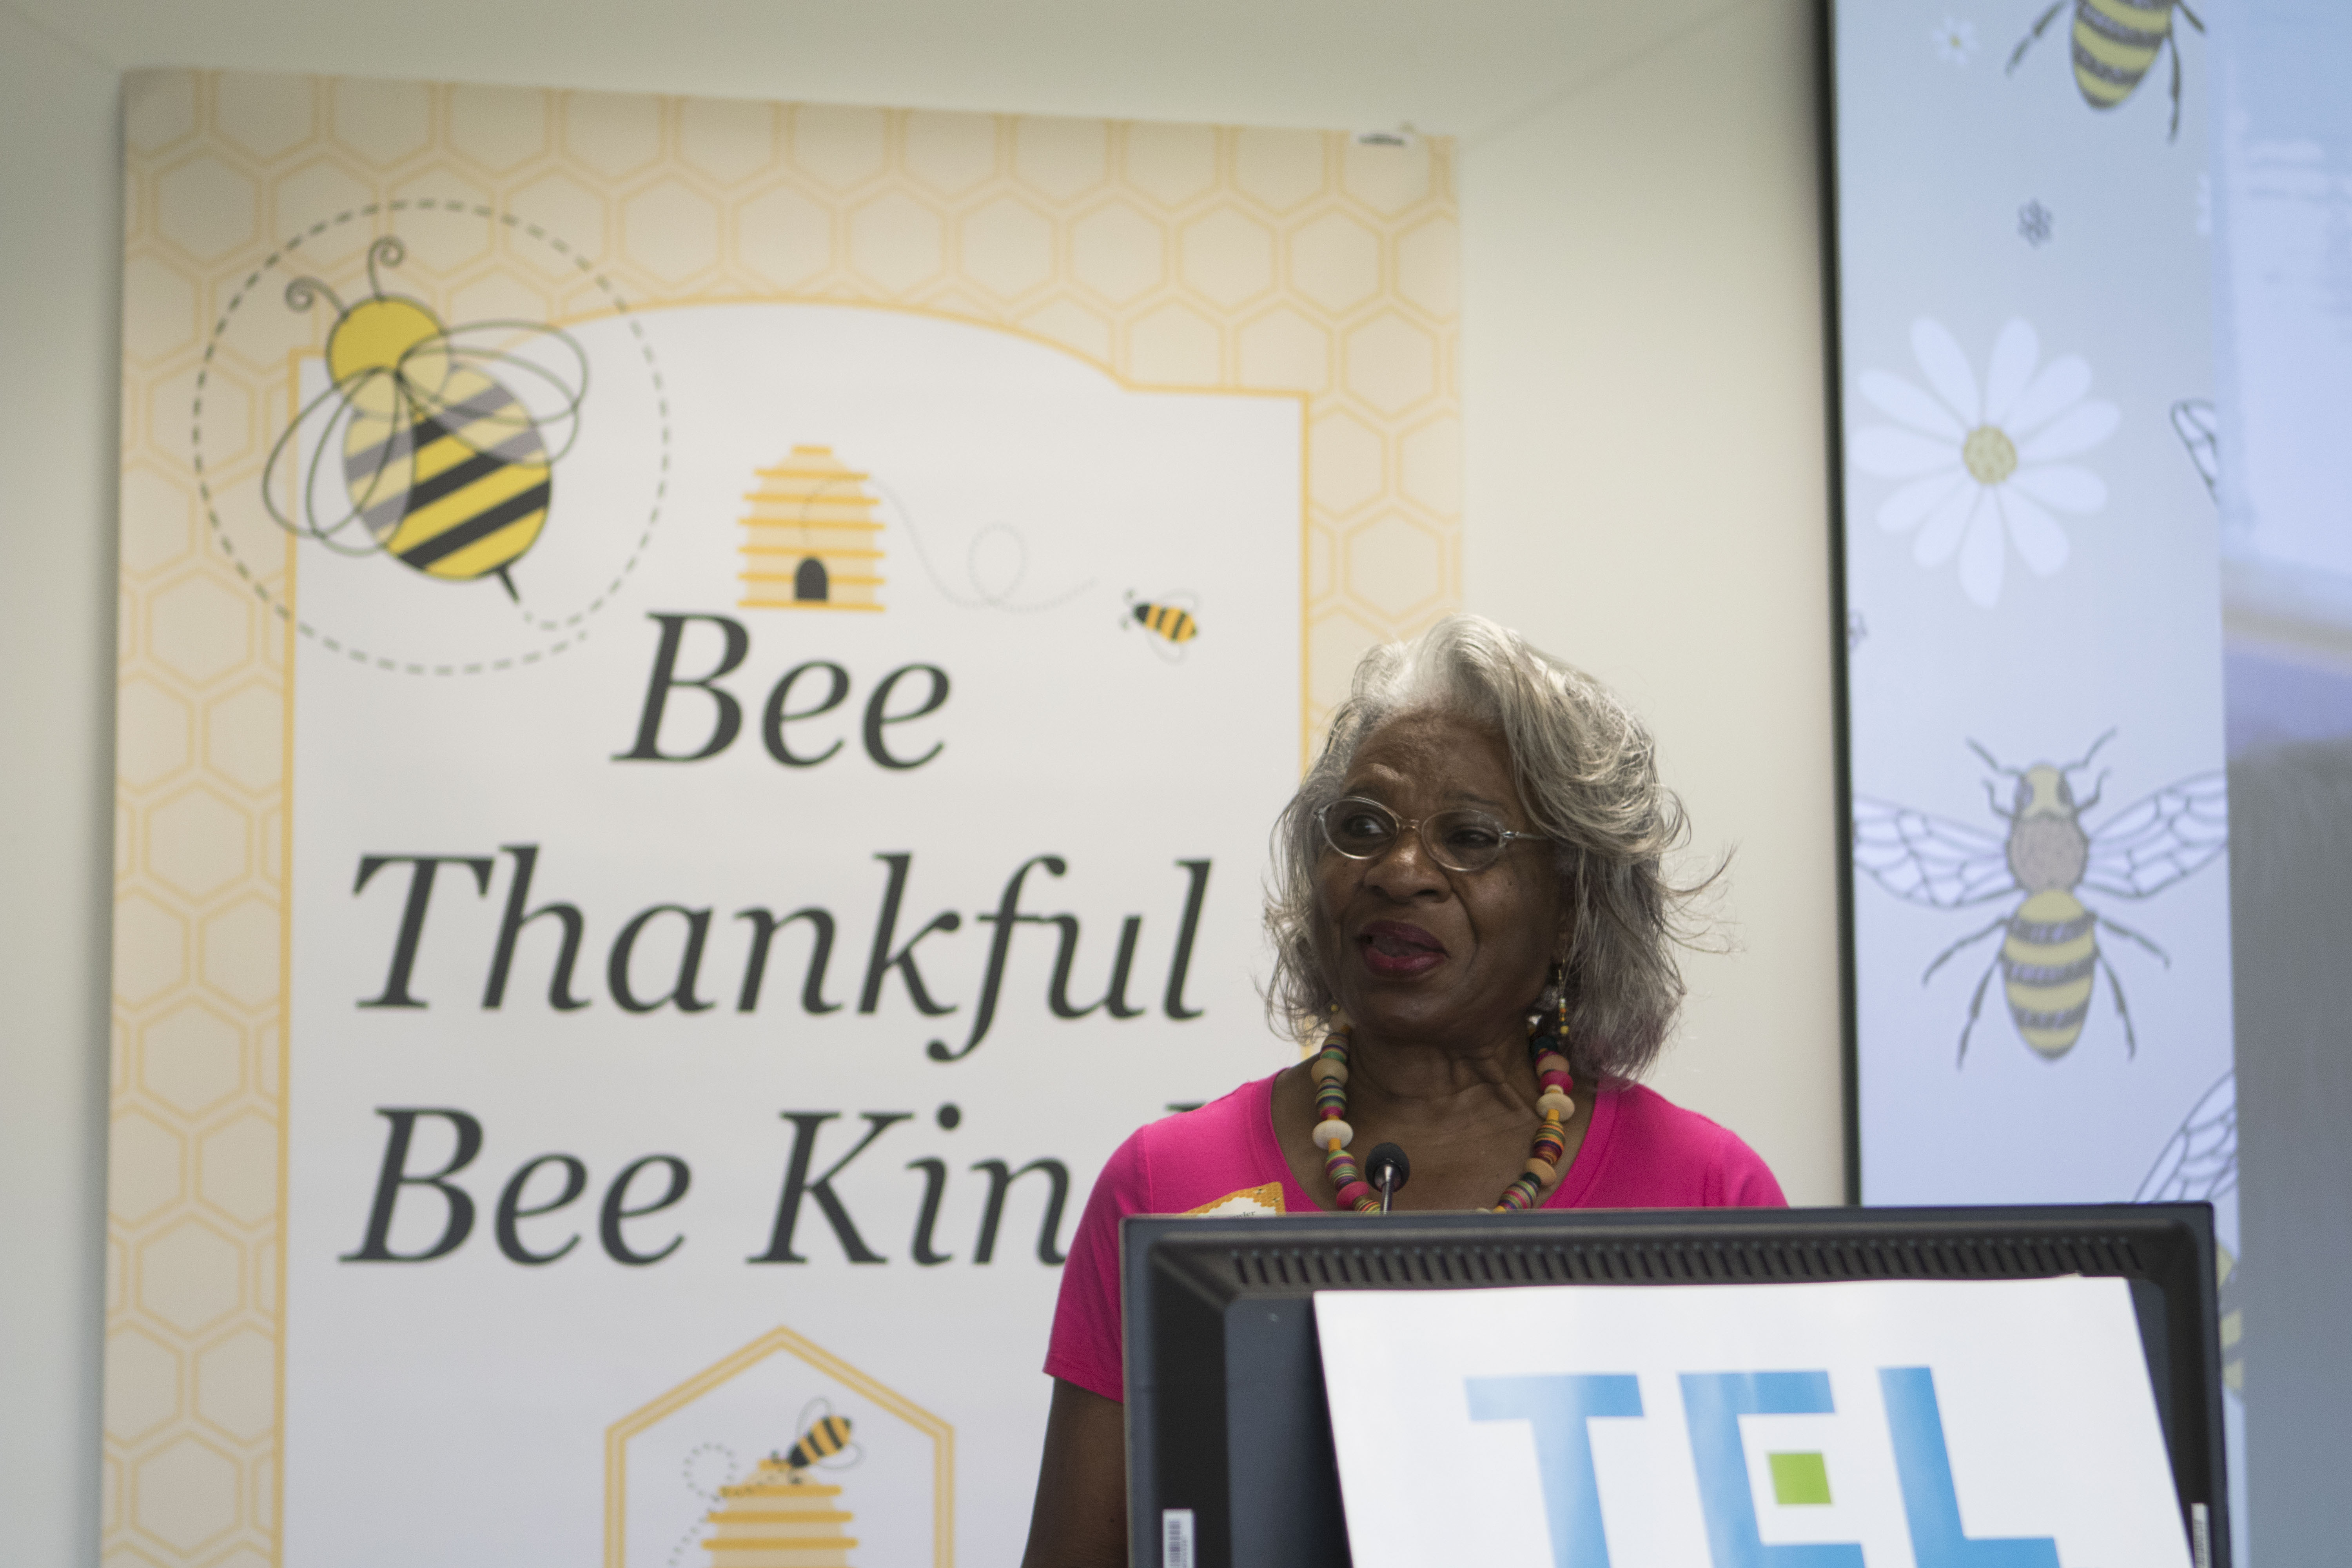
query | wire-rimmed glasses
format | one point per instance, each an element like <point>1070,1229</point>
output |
<point>1462,840</point>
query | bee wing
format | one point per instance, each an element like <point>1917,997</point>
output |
<point>2161,839</point>
<point>542,367</point>
<point>316,498</point>
<point>2200,1162</point>
<point>1928,860</point>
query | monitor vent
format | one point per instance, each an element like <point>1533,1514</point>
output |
<point>1760,1260</point>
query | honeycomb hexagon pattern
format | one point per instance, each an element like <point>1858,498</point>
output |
<point>1189,256</point>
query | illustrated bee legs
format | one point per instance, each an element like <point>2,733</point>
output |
<point>2173,38</point>
<point>2115,984</point>
<point>2173,35</point>
<point>1976,1006</point>
<point>2126,931</point>
<point>2031,38</point>
<point>1968,940</point>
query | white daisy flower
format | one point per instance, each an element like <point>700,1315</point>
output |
<point>1982,468</point>
<point>1955,40</point>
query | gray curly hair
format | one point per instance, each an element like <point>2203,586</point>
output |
<point>1587,770</point>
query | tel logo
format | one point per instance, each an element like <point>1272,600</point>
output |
<point>1557,1407</point>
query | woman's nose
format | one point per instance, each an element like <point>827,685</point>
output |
<point>1404,867</point>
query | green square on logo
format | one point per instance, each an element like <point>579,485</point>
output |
<point>1799,1479</point>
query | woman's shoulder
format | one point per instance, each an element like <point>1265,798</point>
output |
<point>1214,1158</point>
<point>1659,1154</point>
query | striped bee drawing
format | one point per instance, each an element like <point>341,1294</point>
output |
<point>1169,619</point>
<point>2115,45</point>
<point>2049,957</point>
<point>823,1440</point>
<point>433,445</point>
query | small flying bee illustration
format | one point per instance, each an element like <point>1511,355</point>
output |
<point>2116,43</point>
<point>823,1440</point>
<point>1170,618</point>
<point>2050,955</point>
<point>2198,1164</point>
<point>417,449</point>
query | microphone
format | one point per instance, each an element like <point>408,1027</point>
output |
<point>1387,1169</point>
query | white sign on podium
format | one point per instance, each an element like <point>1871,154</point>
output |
<point>1979,1423</point>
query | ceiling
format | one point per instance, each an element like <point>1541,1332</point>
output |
<point>1466,68</point>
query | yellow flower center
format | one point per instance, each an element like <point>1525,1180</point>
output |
<point>1990,455</point>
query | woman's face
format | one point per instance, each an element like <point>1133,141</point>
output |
<point>1414,950</point>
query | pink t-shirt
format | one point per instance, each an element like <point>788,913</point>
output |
<point>1641,1151</point>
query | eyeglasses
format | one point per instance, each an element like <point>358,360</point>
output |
<point>1463,840</point>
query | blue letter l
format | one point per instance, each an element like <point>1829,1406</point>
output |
<point>1929,1502</point>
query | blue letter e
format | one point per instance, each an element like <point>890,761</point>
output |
<point>1714,1401</point>
<point>1558,1405</point>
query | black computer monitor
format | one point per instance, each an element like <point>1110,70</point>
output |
<point>1225,1411</point>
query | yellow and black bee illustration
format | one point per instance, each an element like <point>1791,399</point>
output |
<point>417,449</point>
<point>2049,956</point>
<point>2115,44</point>
<point>2200,1165</point>
<point>1170,618</point>
<point>823,1440</point>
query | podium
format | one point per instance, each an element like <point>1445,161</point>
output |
<point>1230,1450</point>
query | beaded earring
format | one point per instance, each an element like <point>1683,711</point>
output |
<point>1549,1047</point>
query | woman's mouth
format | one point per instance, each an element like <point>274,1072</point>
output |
<point>1393,949</point>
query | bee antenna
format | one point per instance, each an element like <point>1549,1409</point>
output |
<point>386,251</point>
<point>2092,753</point>
<point>304,292</point>
<point>1990,762</point>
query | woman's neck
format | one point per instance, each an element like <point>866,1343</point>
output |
<point>1407,1079</point>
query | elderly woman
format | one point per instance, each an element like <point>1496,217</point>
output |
<point>1471,917</point>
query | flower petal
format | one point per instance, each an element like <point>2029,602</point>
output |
<point>2062,383</point>
<point>2061,485</point>
<point>2036,532</point>
<point>1898,399</point>
<point>2078,430</point>
<point>2014,355</point>
<point>1946,524</point>
<point>1906,508</point>
<point>1892,454</point>
<point>1982,554</point>
<point>1947,369</point>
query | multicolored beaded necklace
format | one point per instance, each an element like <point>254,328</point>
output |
<point>1332,1134</point>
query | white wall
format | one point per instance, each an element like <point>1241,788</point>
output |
<point>60,267</point>
<point>1643,473</point>
<point>1647,497</point>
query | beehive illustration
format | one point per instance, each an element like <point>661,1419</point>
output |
<point>810,541</point>
<point>779,1518</point>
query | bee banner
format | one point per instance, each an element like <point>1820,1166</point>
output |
<point>2031,559</point>
<point>703,685</point>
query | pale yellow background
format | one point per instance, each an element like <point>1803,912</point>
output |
<point>1191,256</point>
